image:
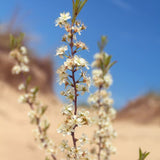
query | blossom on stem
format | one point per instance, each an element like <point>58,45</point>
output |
<point>37,109</point>
<point>76,82</point>
<point>62,19</point>
<point>60,51</point>
<point>21,57</point>
<point>102,103</point>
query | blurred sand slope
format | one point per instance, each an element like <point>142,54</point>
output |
<point>17,142</point>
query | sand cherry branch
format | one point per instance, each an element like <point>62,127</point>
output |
<point>102,104</point>
<point>73,65</point>
<point>37,109</point>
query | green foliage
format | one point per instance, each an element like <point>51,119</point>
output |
<point>36,89</point>
<point>46,125</point>
<point>43,110</point>
<point>142,155</point>
<point>47,158</point>
<point>102,43</point>
<point>28,80</point>
<point>77,7</point>
<point>105,63</point>
<point>16,42</point>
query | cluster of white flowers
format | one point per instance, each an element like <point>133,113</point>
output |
<point>72,120</point>
<point>37,109</point>
<point>63,19</point>
<point>20,54</point>
<point>70,154</point>
<point>102,102</point>
<point>72,74</point>
<point>76,82</point>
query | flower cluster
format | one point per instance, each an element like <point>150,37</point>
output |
<point>70,152</point>
<point>73,75</point>
<point>37,109</point>
<point>72,120</point>
<point>102,102</point>
<point>20,54</point>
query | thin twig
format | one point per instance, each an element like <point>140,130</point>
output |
<point>75,92</point>
<point>100,138</point>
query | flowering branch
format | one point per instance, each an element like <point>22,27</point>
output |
<point>75,89</point>
<point>102,103</point>
<point>73,75</point>
<point>19,53</point>
<point>68,75</point>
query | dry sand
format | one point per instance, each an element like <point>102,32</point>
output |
<point>17,142</point>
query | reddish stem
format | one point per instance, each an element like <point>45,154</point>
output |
<point>100,138</point>
<point>75,92</point>
<point>38,124</point>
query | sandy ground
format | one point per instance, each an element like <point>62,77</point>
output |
<point>17,142</point>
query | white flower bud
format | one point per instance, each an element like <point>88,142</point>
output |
<point>23,50</point>
<point>21,87</point>
<point>16,69</point>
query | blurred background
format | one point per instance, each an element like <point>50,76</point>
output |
<point>133,30</point>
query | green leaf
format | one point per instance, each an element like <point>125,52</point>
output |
<point>46,125</point>
<point>77,3</point>
<point>104,40</point>
<point>77,7</point>
<point>20,39</point>
<point>47,158</point>
<point>111,64</point>
<point>82,5</point>
<point>107,60</point>
<point>16,42</point>
<point>102,66</point>
<point>43,109</point>
<point>142,155</point>
<point>102,43</point>
<point>28,80</point>
<point>75,11</point>
<point>36,90</point>
<point>11,41</point>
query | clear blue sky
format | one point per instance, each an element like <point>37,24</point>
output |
<point>132,27</point>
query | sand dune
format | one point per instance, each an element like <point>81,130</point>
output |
<point>17,142</point>
<point>147,106</point>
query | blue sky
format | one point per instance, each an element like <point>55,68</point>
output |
<point>132,27</point>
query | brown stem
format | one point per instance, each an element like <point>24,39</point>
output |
<point>38,125</point>
<point>32,108</point>
<point>75,92</point>
<point>74,139</point>
<point>100,138</point>
<point>73,76</point>
<point>53,157</point>
<point>99,146</point>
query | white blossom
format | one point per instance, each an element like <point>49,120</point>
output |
<point>23,50</point>
<point>108,79</point>
<point>83,140</point>
<point>102,102</point>
<point>16,69</point>
<point>21,87</point>
<point>80,62</point>
<point>62,19</point>
<point>67,109</point>
<point>60,51</point>
<point>24,68</point>
<point>22,99</point>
